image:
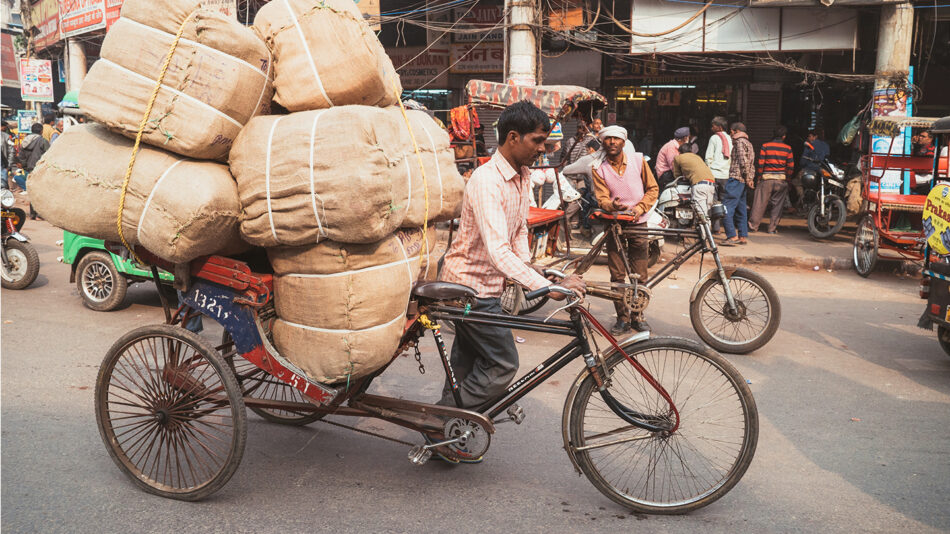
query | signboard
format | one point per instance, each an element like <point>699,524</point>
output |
<point>472,59</point>
<point>429,69</point>
<point>487,17</point>
<point>10,69</point>
<point>891,102</point>
<point>936,219</point>
<point>81,16</point>
<point>113,7</point>
<point>25,119</point>
<point>36,80</point>
<point>44,16</point>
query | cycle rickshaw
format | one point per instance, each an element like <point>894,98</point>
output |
<point>891,223</point>
<point>661,425</point>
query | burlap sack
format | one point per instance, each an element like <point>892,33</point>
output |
<point>342,307</point>
<point>218,78</point>
<point>411,239</point>
<point>853,196</point>
<point>176,208</point>
<point>333,174</point>
<point>325,55</point>
<point>445,184</point>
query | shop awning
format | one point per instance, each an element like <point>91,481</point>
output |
<point>892,126</point>
<point>557,101</point>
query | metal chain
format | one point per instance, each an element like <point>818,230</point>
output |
<point>367,432</point>
<point>422,368</point>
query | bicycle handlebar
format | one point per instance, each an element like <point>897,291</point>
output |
<point>553,288</point>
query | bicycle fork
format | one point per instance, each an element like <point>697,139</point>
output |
<point>720,270</point>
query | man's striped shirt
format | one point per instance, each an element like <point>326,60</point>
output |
<point>775,157</point>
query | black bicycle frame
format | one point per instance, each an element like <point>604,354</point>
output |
<point>578,347</point>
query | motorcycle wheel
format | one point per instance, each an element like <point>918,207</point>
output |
<point>24,265</point>
<point>823,227</point>
<point>757,320</point>
<point>100,284</point>
<point>943,336</point>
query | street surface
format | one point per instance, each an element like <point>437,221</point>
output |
<point>853,405</point>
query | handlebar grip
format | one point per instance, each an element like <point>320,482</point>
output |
<point>555,272</point>
<point>544,291</point>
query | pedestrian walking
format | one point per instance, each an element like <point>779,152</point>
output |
<point>8,153</point>
<point>693,168</point>
<point>774,166</point>
<point>623,183</point>
<point>48,127</point>
<point>717,156</point>
<point>31,150</point>
<point>741,177</point>
<point>664,160</point>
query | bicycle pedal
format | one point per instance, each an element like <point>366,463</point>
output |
<point>516,413</point>
<point>419,455</point>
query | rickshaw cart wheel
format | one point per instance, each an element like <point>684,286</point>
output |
<point>257,383</point>
<point>170,412</point>
<point>865,246</point>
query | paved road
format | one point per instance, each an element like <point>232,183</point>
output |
<point>853,402</point>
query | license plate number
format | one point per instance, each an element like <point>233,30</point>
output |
<point>684,214</point>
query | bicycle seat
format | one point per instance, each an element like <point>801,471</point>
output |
<point>442,291</point>
<point>611,216</point>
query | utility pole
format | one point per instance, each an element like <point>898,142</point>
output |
<point>522,56</point>
<point>75,64</point>
<point>894,41</point>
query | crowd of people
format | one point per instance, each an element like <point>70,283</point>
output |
<point>20,156</point>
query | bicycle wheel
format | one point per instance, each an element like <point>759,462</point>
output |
<point>170,412</point>
<point>752,325</point>
<point>257,383</point>
<point>510,295</point>
<point>865,246</point>
<point>662,473</point>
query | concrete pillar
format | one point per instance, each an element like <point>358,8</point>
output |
<point>522,65</point>
<point>75,64</point>
<point>894,40</point>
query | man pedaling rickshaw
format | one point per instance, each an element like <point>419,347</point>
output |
<point>492,246</point>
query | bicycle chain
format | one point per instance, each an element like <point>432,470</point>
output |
<point>368,433</point>
<point>422,368</point>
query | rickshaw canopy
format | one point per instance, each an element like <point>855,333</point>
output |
<point>557,101</point>
<point>941,125</point>
<point>893,126</point>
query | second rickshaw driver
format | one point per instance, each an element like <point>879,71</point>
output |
<point>492,246</point>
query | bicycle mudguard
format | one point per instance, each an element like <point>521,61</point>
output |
<point>730,270</point>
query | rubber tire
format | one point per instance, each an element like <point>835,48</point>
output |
<point>757,342</point>
<point>264,413</point>
<point>32,265</point>
<point>588,388</point>
<point>866,222</point>
<point>832,203</point>
<point>119,286</point>
<point>231,388</point>
<point>943,337</point>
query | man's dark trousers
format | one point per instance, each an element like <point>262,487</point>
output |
<point>484,359</point>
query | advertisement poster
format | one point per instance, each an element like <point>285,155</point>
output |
<point>936,219</point>
<point>10,69</point>
<point>892,102</point>
<point>487,17</point>
<point>469,59</point>
<point>80,16</point>
<point>415,72</point>
<point>36,80</point>
<point>113,7</point>
<point>44,16</point>
<point>25,119</point>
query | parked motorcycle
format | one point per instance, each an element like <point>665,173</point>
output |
<point>675,203</point>
<point>20,262</point>
<point>823,199</point>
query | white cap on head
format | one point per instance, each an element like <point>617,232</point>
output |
<point>612,131</point>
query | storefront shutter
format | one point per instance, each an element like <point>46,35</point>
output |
<point>762,115</point>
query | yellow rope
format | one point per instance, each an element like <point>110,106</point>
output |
<point>138,135</point>
<point>425,182</point>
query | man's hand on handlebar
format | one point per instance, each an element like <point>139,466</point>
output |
<point>574,283</point>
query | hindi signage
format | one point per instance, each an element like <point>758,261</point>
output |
<point>477,59</point>
<point>430,69</point>
<point>36,80</point>
<point>82,16</point>
<point>487,17</point>
<point>113,7</point>
<point>44,16</point>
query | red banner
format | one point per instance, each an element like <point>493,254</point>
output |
<point>112,11</point>
<point>10,67</point>
<point>82,16</point>
<point>44,16</point>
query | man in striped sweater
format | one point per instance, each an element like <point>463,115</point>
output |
<point>774,167</point>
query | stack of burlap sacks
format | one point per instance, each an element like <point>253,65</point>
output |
<point>338,190</point>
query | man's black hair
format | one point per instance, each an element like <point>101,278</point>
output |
<point>37,128</point>
<point>686,148</point>
<point>49,119</point>
<point>521,117</point>
<point>594,144</point>
<point>780,132</point>
<point>739,127</point>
